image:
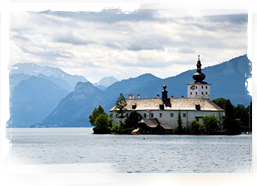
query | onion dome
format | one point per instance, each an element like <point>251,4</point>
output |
<point>198,76</point>
<point>164,92</point>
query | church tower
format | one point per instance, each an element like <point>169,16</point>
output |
<point>199,88</point>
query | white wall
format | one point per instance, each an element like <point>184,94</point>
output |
<point>172,121</point>
<point>199,91</point>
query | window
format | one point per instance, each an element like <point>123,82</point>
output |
<point>195,87</point>
<point>110,115</point>
<point>202,93</point>
<point>184,115</point>
<point>171,115</point>
<point>160,115</point>
<point>197,107</point>
<point>206,93</point>
<point>151,115</point>
<point>195,93</point>
<point>206,87</point>
<point>144,115</point>
<point>116,115</point>
<point>202,87</point>
<point>190,93</point>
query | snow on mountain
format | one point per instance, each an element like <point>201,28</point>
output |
<point>34,70</point>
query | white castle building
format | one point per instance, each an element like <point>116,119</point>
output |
<point>164,111</point>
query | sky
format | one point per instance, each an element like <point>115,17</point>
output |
<point>113,42</point>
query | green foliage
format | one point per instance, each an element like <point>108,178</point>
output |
<point>230,120</point>
<point>249,111</point>
<point>220,102</point>
<point>132,120</point>
<point>101,124</point>
<point>179,121</point>
<point>232,113</point>
<point>242,113</point>
<point>116,129</point>
<point>100,119</point>
<point>186,130</point>
<point>211,124</point>
<point>120,105</point>
<point>237,128</point>
<point>194,126</point>
<point>96,112</point>
<point>175,130</point>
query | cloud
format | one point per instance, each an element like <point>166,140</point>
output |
<point>124,45</point>
<point>186,50</point>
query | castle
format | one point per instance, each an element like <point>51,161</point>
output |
<point>163,112</point>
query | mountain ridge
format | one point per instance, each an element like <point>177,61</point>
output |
<point>227,78</point>
<point>33,69</point>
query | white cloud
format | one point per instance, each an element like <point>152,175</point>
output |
<point>96,46</point>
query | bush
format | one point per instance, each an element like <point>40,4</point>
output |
<point>211,124</point>
<point>186,130</point>
<point>116,129</point>
<point>194,126</point>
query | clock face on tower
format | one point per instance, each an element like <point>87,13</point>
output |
<point>192,87</point>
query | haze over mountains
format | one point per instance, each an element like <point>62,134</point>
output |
<point>50,97</point>
<point>55,75</point>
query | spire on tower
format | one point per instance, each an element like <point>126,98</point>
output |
<point>198,76</point>
<point>164,92</point>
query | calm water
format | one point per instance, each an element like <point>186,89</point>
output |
<point>78,150</point>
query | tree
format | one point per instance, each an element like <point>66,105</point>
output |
<point>220,102</point>
<point>230,121</point>
<point>243,114</point>
<point>101,124</point>
<point>120,105</point>
<point>179,129</point>
<point>211,124</point>
<point>195,125</point>
<point>249,111</point>
<point>132,120</point>
<point>96,112</point>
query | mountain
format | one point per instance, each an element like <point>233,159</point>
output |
<point>15,79</point>
<point>227,80</point>
<point>32,100</point>
<point>34,70</point>
<point>129,86</point>
<point>58,81</point>
<point>76,106</point>
<point>105,82</point>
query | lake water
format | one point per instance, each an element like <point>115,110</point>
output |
<point>77,150</point>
